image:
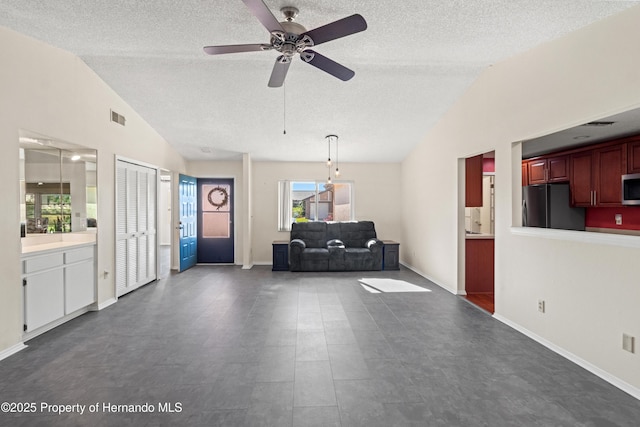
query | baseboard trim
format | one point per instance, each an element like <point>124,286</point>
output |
<point>415,270</point>
<point>12,350</point>
<point>49,326</point>
<point>104,304</point>
<point>611,379</point>
<point>247,266</point>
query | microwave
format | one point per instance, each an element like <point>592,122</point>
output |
<point>631,189</point>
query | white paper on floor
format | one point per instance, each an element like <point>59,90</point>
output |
<point>377,286</point>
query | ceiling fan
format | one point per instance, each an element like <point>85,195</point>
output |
<point>289,38</point>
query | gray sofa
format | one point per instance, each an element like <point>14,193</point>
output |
<point>334,246</point>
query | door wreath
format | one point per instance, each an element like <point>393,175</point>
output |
<point>218,197</point>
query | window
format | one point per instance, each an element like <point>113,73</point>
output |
<point>302,201</point>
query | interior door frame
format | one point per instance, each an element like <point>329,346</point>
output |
<point>165,172</point>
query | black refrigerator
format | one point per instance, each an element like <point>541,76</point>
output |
<point>549,206</point>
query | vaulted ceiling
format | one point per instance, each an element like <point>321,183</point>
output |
<point>416,58</point>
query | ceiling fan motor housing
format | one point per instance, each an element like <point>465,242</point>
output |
<point>290,42</point>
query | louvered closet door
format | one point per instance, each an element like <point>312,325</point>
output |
<point>135,226</point>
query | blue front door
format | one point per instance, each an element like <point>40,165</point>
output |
<point>188,199</point>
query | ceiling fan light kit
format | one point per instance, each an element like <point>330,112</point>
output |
<point>290,38</point>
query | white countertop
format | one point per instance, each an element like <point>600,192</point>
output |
<point>53,247</point>
<point>472,236</point>
<point>54,242</point>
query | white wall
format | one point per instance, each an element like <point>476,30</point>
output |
<point>376,198</point>
<point>591,289</point>
<point>53,93</point>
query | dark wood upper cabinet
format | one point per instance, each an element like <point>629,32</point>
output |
<point>633,157</point>
<point>537,171</point>
<point>525,174</point>
<point>596,176</point>
<point>473,182</point>
<point>581,179</point>
<point>609,165</point>
<point>548,169</point>
<point>558,169</point>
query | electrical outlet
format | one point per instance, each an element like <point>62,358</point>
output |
<point>618,219</point>
<point>541,305</point>
<point>628,343</point>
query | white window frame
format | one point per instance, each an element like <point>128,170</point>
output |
<point>285,198</point>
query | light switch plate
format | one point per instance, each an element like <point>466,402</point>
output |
<point>628,343</point>
<point>618,219</point>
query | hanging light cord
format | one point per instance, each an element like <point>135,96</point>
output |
<point>284,108</point>
<point>337,170</point>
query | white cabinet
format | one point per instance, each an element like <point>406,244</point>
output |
<point>57,285</point>
<point>79,286</point>
<point>43,298</point>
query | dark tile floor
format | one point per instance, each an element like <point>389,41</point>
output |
<point>233,347</point>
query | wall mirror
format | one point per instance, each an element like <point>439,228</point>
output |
<point>58,191</point>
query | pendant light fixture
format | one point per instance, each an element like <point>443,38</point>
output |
<point>329,138</point>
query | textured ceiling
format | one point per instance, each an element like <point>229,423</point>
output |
<point>412,63</point>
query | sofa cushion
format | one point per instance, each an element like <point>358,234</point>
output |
<point>356,234</point>
<point>315,259</point>
<point>312,233</point>
<point>358,259</point>
<point>333,231</point>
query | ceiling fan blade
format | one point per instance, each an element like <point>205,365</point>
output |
<point>264,15</point>
<point>235,48</point>
<point>340,28</point>
<point>327,65</point>
<point>279,72</point>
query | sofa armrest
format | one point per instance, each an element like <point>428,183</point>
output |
<point>374,245</point>
<point>297,245</point>
<point>335,242</point>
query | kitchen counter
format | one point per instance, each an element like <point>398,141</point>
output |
<point>42,244</point>
<point>53,247</point>
<point>470,236</point>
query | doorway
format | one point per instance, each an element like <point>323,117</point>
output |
<point>479,231</point>
<point>215,220</point>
